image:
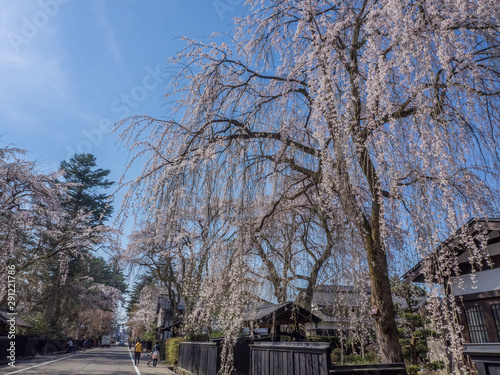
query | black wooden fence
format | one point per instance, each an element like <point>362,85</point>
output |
<point>27,346</point>
<point>241,352</point>
<point>274,358</point>
<point>200,358</point>
<point>486,357</point>
<point>372,369</point>
<point>290,358</point>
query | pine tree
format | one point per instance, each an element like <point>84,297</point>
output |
<point>85,191</point>
<point>87,275</point>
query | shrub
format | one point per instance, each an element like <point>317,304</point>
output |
<point>196,337</point>
<point>38,325</point>
<point>434,366</point>
<point>412,369</point>
<point>333,340</point>
<point>216,334</point>
<point>355,359</point>
<point>172,349</point>
<point>150,334</point>
<point>336,355</point>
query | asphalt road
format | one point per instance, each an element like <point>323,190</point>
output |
<point>113,361</point>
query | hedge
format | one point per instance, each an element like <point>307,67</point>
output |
<point>172,349</point>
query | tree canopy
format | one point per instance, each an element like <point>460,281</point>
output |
<point>49,231</point>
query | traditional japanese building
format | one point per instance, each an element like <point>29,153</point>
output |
<point>478,291</point>
<point>169,318</point>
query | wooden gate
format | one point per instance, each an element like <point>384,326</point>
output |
<point>200,358</point>
<point>290,358</point>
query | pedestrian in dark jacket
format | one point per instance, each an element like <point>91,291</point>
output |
<point>156,354</point>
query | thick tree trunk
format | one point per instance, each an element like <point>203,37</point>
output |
<point>382,305</point>
<point>381,298</point>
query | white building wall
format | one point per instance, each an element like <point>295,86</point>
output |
<point>485,281</point>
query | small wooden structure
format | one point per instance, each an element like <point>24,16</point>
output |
<point>203,358</point>
<point>169,318</point>
<point>273,358</point>
<point>274,317</point>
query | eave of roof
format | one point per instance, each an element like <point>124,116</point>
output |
<point>4,317</point>
<point>268,315</point>
<point>473,226</point>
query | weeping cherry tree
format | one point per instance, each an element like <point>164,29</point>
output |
<point>384,112</point>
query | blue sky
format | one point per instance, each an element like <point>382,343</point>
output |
<point>71,68</point>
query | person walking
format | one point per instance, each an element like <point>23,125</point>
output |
<point>69,347</point>
<point>137,353</point>
<point>156,354</point>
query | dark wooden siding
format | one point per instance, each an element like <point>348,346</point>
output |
<point>200,358</point>
<point>273,358</point>
<point>486,357</point>
<point>241,352</point>
<point>290,358</point>
<point>27,347</point>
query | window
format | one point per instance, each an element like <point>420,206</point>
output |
<point>496,316</point>
<point>476,324</point>
<point>481,316</point>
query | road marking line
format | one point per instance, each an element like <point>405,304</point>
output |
<point>133,362</point>
<point>42,364</point>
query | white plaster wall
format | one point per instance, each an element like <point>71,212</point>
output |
<point>486,280</point>
<point>494,249</point>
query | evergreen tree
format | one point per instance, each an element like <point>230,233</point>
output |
<point>104,272</point>
<point>412,323</point>
<point>87,181</point>
<point>144,280</point>
<point>89,278</point>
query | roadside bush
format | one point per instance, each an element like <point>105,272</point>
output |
<point>172,349</point>
<point>412,369</point>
